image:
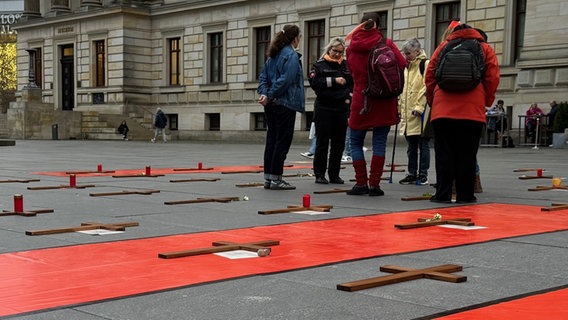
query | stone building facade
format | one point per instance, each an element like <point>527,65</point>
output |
<point>199,60</point>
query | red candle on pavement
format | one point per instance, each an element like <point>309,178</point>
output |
<point>100,167</point>
<point>539,172</point>
<point>148,170</point>
<point>72,180</point>
<point>199,165</point>
<point>306,201</point>
<point>18,203</point>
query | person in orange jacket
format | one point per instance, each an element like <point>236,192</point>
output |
<point>457,119</point>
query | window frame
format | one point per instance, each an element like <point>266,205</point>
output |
<point>174,60</point>
<point>99,65</point>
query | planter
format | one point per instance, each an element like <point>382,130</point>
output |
<point>558,140</point>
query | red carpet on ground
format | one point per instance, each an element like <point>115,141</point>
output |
<point>48,278</point>
<point>550,306</point>
<point>161,171</point>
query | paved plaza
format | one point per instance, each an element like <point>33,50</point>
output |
<point>497,270</point>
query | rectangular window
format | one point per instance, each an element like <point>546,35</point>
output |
<point>38,68</point>
<point>262,41</point>
<point>383,22</point>
<point>316,41</point>
<point>173,121</point>
<point>216,57</point>
<point>259,121</point>
<point>174,61</point>
<point>520,13</point>
<point>100,68</point>
<point>213,121</point>
<point>445,13</point>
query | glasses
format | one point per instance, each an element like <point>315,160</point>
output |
<point>339,52</point>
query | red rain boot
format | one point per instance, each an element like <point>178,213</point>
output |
<point>377,165</point>
<point>360,187</point>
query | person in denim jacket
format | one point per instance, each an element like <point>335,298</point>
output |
<point>281,90</point>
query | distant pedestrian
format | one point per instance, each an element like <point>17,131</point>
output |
<point>123,130</point>
<point>281,90</point>
<point>160,122</point>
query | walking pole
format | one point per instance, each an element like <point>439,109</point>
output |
<point>393,150</point>
<point>537,130</point>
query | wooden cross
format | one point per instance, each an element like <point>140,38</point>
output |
<point>525,177</point>
<point>241,171</point>
<point>124,192</point>
<point>527,169</point>
<point>424,222</point>
<point>417,198</point>
<point>201,200</point>
<point>555,207</point>
<point>119,226</point>
<point>29,213</point>
<point>292,208</point>
<point>62,187</point>
<point>20,181</point>
<point>401,274</point>
<point>542,188</point>
<point>195,180</point>
<point>260,247</point>
<point>334,190</point>
<point>250,184</point>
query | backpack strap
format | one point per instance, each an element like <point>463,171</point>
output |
<point>422,66</point>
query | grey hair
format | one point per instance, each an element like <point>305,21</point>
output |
<point>334,42</point>
<point>411,45</point>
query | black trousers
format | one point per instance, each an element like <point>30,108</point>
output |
<point>456,143</point>
<point>279,133</point>
<point>331,128</point>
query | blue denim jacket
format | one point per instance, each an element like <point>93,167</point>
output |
<point>282,80</point>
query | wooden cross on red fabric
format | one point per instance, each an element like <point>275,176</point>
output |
<point>260,247</point>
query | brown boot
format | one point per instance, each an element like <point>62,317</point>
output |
<point>477,187</point>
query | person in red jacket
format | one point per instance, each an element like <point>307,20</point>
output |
<point>457,119</point>
<point>382,115</point>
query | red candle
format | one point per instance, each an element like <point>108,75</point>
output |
<point>539,172</point>
<point>306,201</point>
<point>72,180</point>
<point>18,203</point>
<point>100,167</point>
<point>148,170</point>
<point>199,165</point>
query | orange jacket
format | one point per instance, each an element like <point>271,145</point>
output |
<point>469,105</point>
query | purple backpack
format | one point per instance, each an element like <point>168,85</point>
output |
<point>386,77</point>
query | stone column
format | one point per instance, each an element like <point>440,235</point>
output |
<point>31,70</point>
<point>91,3</point>
<point>31,9</point>
<point>60,5</point>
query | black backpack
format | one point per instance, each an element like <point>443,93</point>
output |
<point>460,66</point>
<point>385,76</point>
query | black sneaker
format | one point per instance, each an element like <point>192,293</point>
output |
<point>374,192</point>
<point>281,185</point>
<point>358,190</point>
<point>336,180</point>
<point>422,180</point>
<point>435,199</point>
<point>409,179</point>
<point>321,180</point>
<point>266,184</point>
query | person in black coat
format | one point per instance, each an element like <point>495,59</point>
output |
<point>123,130</point>
<point>332,83</point>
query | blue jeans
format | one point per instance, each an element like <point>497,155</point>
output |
<point>416,143</point>
<point>357,139</point>
<point>312,149</point>
<point>347,150</point>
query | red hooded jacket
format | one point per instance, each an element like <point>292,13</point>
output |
<point>383,112</point>
<point>468,105</point>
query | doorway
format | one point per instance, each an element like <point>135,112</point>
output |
<point>67,77</point>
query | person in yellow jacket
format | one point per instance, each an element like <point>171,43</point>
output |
<point>414,114</point>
